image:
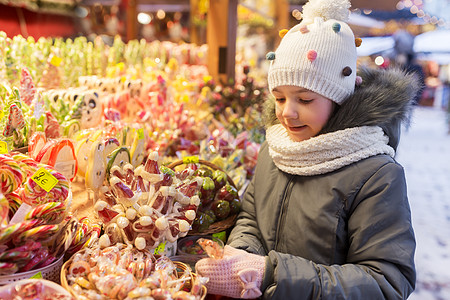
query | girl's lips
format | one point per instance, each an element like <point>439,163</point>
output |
<point>297,128</point>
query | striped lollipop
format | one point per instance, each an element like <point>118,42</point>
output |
<point>4,211</point>
<point>26,163</point>
<point>10,174</point>
<point>14,201</point>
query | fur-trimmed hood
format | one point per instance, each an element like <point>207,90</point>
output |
<point>385,99</point>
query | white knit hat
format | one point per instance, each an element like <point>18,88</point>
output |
<point>319,54</point>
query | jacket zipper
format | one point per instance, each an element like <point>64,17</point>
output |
<point>284,205</point>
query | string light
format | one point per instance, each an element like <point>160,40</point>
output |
<point>416,8</point>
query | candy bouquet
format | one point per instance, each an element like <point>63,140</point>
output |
<point>147,205</point>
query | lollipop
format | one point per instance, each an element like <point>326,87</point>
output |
<point>14,202</point>
<point>33,194</point>
<point>4,211</point>
<point>26,164</point>
<point>10,174</point>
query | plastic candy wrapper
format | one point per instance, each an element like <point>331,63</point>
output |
<point>213,247</point>
<point>122,271</point>
<point>33,289</point>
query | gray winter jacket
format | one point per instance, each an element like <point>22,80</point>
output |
<point>346,234</point>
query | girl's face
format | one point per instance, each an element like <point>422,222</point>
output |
<point>303,113</point>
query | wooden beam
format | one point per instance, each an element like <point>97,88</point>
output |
<point>131,20</point>
<point>221,39</point>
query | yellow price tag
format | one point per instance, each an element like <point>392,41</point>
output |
<point>38,275</point>
<point>120,66</point>
<point>221,236</point>
<point>3,147</point>
<point>44,179</point>
<point>140,133</point>
<point>160,249</point>
<point>190,160</point>
<point>56,61</point>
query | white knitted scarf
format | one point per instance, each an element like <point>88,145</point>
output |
<point>326,152</point>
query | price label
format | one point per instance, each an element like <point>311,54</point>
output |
<point>160,249</point>
<point>221,236</point>
<point>38,275</point>
<point>140,133</point>
<point>44,179</point>
<point>190,160</point>
<point>3,147</point>
<point>56,61</point>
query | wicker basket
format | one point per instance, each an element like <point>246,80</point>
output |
<point>221,225</point>
<point>181,268</point>
<point>50,272</point>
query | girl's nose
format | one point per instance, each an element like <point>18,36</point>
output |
<point>289,110</point>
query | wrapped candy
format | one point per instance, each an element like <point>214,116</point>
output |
<point>15,120</point>
<point>27,88</point>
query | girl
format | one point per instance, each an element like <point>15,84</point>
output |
<point>326,215</point>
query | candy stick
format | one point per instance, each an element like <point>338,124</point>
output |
<point>15,120</point>
<point>8,268</point>
<point>14,230</point>
<point>36,233</point>
<point>41,255</point>
<point>49,212</point>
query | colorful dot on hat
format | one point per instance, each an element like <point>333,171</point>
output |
<point>347,71</point>
<point>336,27</point>
<point>312,55</point>
<point>270,56</point>
<point>358,42</point>
<point>303,29</point>
<point>358,80</point>
<point>282,32</point>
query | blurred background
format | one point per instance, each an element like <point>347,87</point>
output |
<point>410,33</point>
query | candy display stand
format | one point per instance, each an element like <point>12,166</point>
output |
<point>49,287</point>
<point>218,226</point>
<point>50,272</point>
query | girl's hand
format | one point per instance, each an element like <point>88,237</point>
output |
<point>238,274</point>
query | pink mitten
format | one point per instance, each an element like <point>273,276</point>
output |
<point>238,274</point>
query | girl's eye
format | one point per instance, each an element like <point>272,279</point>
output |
<point>279,99</point>
<point>305,101</point>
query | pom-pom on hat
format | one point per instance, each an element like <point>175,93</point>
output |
<point>319,54</point>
